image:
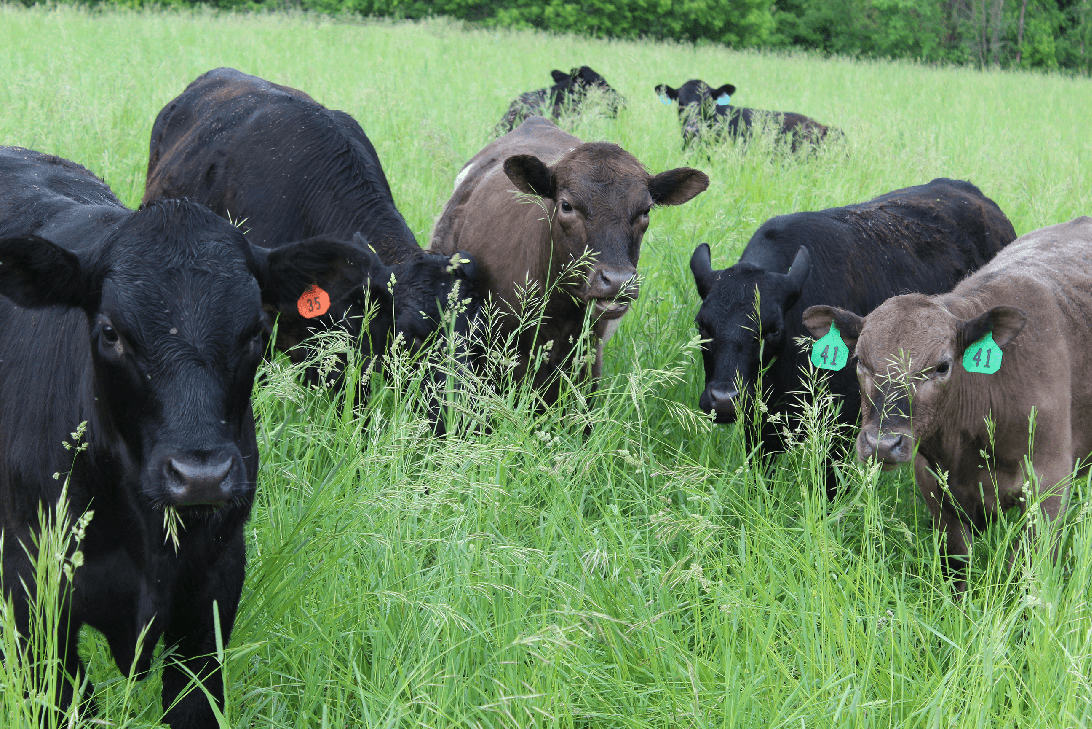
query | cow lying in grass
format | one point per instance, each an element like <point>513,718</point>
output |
<point>565,96</point>
<point>951,383</point>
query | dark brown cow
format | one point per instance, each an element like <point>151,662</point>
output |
<point>595,201</point>
<point>924,364</point>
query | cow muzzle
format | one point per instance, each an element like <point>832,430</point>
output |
<point>890,449</point>
<point>202,478</point>
<point>721,402</point>
<point>612,289</point>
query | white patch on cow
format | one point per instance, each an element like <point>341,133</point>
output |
<point>462,175</point>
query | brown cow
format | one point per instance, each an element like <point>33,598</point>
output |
<point>924,366</point>
<point>595,202</point>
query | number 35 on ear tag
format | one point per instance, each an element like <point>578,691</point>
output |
<point>983,356</point>
<point>313,302</point>
<point>830,352</point>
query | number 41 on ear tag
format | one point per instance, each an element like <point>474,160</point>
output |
<point>983,356</point>
<point>830,352</point>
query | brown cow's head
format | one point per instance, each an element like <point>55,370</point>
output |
<point>909,352</point>
<point>599,198</point>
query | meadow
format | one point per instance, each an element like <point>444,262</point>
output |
<point>647,574</point>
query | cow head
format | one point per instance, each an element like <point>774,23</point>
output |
<point>743,316</point>
<point>698,104</point>
<point>909,360</point>
<point>576,83</point>
<point>599,198</point>
<point>176,328</point>
<point>424,285</point>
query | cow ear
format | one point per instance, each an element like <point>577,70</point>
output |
<point>336,267</point>
<point>701,265</point>
<point>35,272</point>
<point>674,187</point>
<point>1006,322</point>
<point>796,276</point>
<point>818,320</point>
<point>530,175</point>
<point>561,77</point>
<point>664,90</point>
<point>725,90</point>
<point>464,266</point>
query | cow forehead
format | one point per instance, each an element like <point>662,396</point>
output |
<point>600,166</point>
<point>906,335</point>
<point>735,287</point>
<point>692,92</point>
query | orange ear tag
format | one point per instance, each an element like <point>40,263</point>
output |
<point>313,302</point>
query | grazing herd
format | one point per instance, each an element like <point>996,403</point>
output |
<point>266,212</point>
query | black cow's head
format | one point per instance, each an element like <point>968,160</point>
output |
<point>428,284</point>
<point>174,303</point>
<point>699,105</point>
<point>575,84</point>
<point>743,314</point>
<point>599,197</point>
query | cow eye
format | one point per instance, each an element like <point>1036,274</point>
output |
<point>109,335</point>
<point>566,207</point>
<point>943,367</point>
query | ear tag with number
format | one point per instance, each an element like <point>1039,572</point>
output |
<point>723,100</point>
<point>664,100</point>
<point>983,356</point>
<point>313,302</point>
<point>829,352</point>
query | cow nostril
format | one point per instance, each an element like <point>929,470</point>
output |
<point>194,482</point>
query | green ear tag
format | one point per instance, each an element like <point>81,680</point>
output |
<point>830,352</point>
<point>983,356</point>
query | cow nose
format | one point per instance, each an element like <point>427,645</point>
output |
<point>608,282</point>
<point>197,481</point>
<point>722,403</point>
<point>889,448</point>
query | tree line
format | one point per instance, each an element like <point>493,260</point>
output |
<point>1030,34</point>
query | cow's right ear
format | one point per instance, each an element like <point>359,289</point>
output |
<point>530,175</point>
<point>701,265</point>
<point>665,91</point>
<point>560,77</point>
<point>818,320</point>
<point>336,267</point>
<point>35,272</point>
<point>1006,322</point>
<point>725,90</point>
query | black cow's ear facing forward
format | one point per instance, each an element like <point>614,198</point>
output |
<point>36,273</point>
<point>796,276</point>
<point>674,187</point>
<point>530,175</point>
<point>560,77</point>
<point>818,319</point>
<point>335,267</point>
<point>701,265</point>
<point>725,90</point>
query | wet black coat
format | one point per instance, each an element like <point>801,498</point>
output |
<point>147,327</point>
<point>918,239</point>
<point>287,168</point>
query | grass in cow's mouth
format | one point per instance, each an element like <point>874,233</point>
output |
<point>525,571</point>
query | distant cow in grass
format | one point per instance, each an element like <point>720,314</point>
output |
<point>706,114</point>
<point>924,238</point>
<point>595,201</point>
<point>143,330</point>
<point>565,96</point>
<point>288,168</point>
<point>938,373</point>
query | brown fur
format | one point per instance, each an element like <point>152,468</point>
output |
<point>1036,298</point>
<point>518,239</point>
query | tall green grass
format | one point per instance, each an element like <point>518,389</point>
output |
<point>642,574</point>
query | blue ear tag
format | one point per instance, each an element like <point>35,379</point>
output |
<point>665,100</point>
<point>983,356</point>
<point>723,100</point>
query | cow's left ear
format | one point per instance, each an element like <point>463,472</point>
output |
<point>35,273</point>
<point>725,90</point>
<point>819,318</point>
<point>530,175</point>
<point>665,91</point>
<point>796,276</point>
<point>1006,322</point>
<point>701,265</point>
<point>560,77</point>
<point>674,187</point>
<point>336,267</point>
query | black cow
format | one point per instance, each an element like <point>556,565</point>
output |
<point>565,96</point>
<point>147,327</point>
<point>288,168</point>
<point>923,239</point>
<point>704,109</point>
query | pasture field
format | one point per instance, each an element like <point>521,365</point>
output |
<point>648,574</point>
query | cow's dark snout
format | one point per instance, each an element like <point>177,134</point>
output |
<point>721,402</point>
<point>890,449</point>
<point>608,282</point>
<point>201,480</point>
